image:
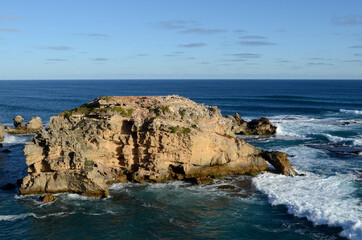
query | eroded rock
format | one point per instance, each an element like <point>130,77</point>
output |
<point>260,126</point>
<point>120,139</point>
<point>280,162</point>
<point>48,198</point>
<point>32,126</point>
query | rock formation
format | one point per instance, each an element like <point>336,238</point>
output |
<point>32,126</point>
<point>260,126</point>
<point>48,198</point>
<point>2,133</point>
<point>120,139</point>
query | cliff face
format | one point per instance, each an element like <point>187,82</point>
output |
<point>119,139</point>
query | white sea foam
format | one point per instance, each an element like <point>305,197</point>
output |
<point>350,111</point>
<point>15,217</point>
<point>298,126</point>
<point>322,200</point>
<point>10,138</point>
<point>342,140</point>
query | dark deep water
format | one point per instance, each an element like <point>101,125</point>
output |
<point>319,125</point>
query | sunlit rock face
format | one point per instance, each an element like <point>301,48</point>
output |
<point>120,139</point>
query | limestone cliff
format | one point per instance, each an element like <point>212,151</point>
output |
<point>119,139</point>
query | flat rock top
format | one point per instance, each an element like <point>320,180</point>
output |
<point>172,107</point>
<point>144,101</point>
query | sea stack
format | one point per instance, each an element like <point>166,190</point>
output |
<point>138,139</point>
<point>32,126</point>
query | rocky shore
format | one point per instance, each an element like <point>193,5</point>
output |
<point>260,126</point>
<point>138,139</point>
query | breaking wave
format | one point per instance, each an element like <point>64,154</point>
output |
<point>322,200</point>
<point>350,111</point>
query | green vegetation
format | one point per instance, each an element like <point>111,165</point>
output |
<point>123,112</point>
<point>194,126</point>
<point>185,130</point>
<point>182,112</point>
<point>104,109</point>
<point>67,113</point>
<point>84,110</point>
<point>78,110</point>
<point>107,98</point>
<point>174,129</point>
<point>88,163</point>
<point>164,109</point>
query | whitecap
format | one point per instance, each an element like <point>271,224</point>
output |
<point>350,111</point>
<point>20,138</point>
<point>322,200</point>
<point>15,217</point>
<point>342,140</point>
<point>300,127</point>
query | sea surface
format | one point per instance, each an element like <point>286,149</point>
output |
<point>319,126</point>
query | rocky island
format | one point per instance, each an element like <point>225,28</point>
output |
<point>138,139</point>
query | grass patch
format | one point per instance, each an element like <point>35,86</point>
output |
<point>182,112</point>
<point>194,126</point>
<point>103,110</point>
<point>122,111</point>
<point>185,130</point>
<point>78,110</point>
<point>164,109</point>
<point>88,163</point>
<point>174,129</point>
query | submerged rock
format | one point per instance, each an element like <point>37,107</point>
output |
<point>8,186</point>
<point>226,187</point>
<point>48,198</point>
<point>2,133</point>
<point>32,126</point>
<point>260,126</point>
<point>120,139</point>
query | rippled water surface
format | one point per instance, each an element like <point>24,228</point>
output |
<point>319,126</point>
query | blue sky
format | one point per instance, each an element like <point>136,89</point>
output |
<point>181,39</point>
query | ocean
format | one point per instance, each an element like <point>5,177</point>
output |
<point>319,126</point>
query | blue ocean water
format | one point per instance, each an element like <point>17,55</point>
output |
<point>319,126</point>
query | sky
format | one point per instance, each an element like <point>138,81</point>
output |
<point>180,39</point>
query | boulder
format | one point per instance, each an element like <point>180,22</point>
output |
<point>260,126</point>
<point>18,122</point>
<point>138,139</point>
<point>48,198</point>
<point>2,132</point>
<point>280,162</point>
<point>34,124</point>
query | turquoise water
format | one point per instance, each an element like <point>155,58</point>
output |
<point>319,126</point>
